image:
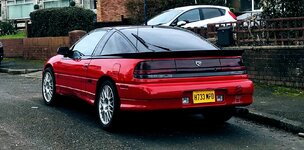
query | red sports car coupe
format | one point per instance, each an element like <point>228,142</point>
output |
<point>147,68</point>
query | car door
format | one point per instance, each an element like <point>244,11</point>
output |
<point>71,71</point>
<point>113,43</point>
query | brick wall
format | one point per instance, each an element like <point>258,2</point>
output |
<point>275,65</point>
<point>110,10</point>
<point>12,47</point>
<point>33,48</point>
<point>39,48</point>
<point>43,47</point>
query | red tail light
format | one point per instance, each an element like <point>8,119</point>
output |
<point>232,15</point>
<point>155,69</point>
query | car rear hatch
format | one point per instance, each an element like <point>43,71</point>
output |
<point>191,64</point>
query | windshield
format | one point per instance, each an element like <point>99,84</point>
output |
<point>164,17</point>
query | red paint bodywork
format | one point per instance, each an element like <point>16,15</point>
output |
<point>80,78</point>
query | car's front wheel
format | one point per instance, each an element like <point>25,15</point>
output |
<point>108,105</point>
<point>48,86</point>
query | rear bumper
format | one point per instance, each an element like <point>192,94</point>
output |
<point>168,96</point>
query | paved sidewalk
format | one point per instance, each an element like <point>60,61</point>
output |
<point>278,106</point>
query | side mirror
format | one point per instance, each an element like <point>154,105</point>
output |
<point>63,51</point>
<point>181,23</point>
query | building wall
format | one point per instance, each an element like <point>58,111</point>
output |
<point>110,10</point>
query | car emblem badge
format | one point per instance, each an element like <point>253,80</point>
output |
<point>198,63</point>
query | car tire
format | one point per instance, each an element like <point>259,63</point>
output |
<point>108,105</point>
<point>218,116</point>
<point>49,87</point>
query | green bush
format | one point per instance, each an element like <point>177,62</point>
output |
<point>135,8</point>
<point>282,8</point>
<point>7,28</point>
<point>59,21</point>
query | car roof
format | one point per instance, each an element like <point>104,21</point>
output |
<point>198,6</point>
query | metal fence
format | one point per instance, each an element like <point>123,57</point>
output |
<point>261,32</point>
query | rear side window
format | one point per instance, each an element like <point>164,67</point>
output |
<point>223,11</point>
<point>190,16</point>
<point>209,13</point>
<point>88,43</point>
<point>117,44</point>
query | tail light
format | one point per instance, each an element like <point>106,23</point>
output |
<point>182,68</point>
<point>232,15</point>
<point>155,69</point>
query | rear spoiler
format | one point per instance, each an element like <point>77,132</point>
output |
<point>176,54</point>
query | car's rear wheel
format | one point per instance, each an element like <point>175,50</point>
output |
<point>218,115</point>
<point>108,105</point>
<point>48,86</point>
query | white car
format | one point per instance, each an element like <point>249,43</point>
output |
<point>193,16</point>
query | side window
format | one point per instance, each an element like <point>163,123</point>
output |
<point>223,11</point>
<point>190,16</point>
<point>209,13</point>
<point>117,44</point>
<point>87,44</point>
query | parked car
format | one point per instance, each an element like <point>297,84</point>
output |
<point>250,15</point>
<point>251,19</point>
<point>193,16</point>
<point>1,52</point>
<point>129,69</point>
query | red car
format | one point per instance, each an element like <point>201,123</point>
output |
<point>147,68</point>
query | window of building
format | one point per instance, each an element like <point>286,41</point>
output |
<point>19,9</point>
<point>256,4</point>
<point>249,5</point>
<point>95,4</point>
<point>56,3</point>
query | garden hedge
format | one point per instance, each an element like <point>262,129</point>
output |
<point>59,21</point>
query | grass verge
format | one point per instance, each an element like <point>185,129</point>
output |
<point>20,34</point>
<point>280,90</point>
<point>19,63</point>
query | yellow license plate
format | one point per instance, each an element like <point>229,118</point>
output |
<point>203,97</point>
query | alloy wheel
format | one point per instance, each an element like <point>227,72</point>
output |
<point>106,105</point>
<point>48,87</point>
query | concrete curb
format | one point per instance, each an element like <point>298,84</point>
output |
<point>272,120</point>
<point>18,71</point>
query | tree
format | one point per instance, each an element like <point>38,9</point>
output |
<point>282,8</point>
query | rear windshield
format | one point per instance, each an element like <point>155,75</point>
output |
<point>167,39</point>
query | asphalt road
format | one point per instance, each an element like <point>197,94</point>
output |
<point>26,123</point>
